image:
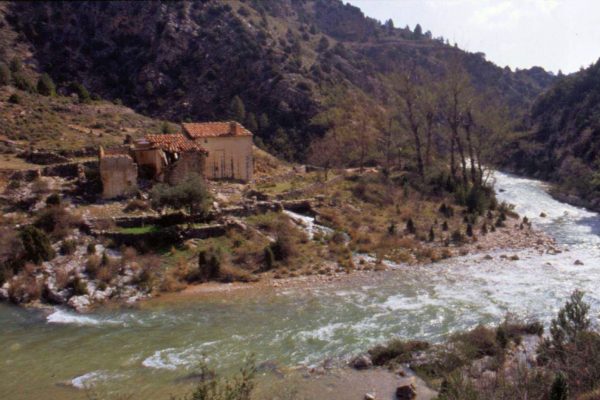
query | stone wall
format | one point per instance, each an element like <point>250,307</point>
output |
<point>229,157</point>
<point>188,163</point>
<point>119,175</point>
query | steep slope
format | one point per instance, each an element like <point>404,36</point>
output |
<point>188,60</point>
<point>562,141</point>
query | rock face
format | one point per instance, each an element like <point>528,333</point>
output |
<point>190,59</point>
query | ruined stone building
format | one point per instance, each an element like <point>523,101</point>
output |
<point>229,147</point>
<point>215,150</point>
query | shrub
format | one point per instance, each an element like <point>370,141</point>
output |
<point>269,258</point>
<point>410,226</point>
<point>91,248</point>
<point>92,265</point>
<point>209,265</point>
<point>82,92</point>
<point>191,195</point>
<point>396,350</point>
<point>68,247</point>
<point>560,388</point>
<point>14,99</point>
<point>479,342</point>
<point>458,237</point>
<point>283,247</point>
<point>5,75</point>
<point>78,286</point>
<point>53,200</point>
<point>45,85</point>
<point>56,220</point>
<point>36,245</point>
<point>21,82</point>
<point>214,387</point>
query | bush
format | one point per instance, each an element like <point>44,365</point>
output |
<point>23,83</point>
<point>209,265</point>
<point>458,237</point>
<point>56,220</point>
<point>283,247</point>
<point>82,92</point>
<point>53,200</point>
<point>191,195</point>
<point>560,388</point>
<point>92,265</point>
<point>14,99</point>
<point>214,387</point>
<point>68,247</point>
<point>396,350</point>
<point>91,248</point>
<point>410,226</point>
<point>45,85</point>
<point>78,286</point>
<point>5,75</point>
<point>36,245</point>
<point>269,258</point>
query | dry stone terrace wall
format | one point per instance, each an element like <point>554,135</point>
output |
<point>67,170</point>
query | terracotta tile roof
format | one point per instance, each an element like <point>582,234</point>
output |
<point>174,142</point>
<point>215,129</point>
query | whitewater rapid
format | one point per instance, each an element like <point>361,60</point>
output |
<point>153,346</point>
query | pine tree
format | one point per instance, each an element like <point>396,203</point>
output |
<point>431,234</point>
<point>5,75</point>
<point>251,123</point>
<point>263,122</point>
<point>418,31</point>
<point>560,388</point>
<point>15,65</point>
<point>45,85</point>
<point>237,110</point>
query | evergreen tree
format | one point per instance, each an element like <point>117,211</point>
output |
<point>251,123</point>
<point>82,92</point>
<point>36,245</point>
<point>237,110</point>
<point>45,85</point>
<point>418,31</point>
<point>560,388</point>
<point>5,75</point>
<point>263,122</point>
<point>15,65</point>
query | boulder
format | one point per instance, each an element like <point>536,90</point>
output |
<point>578,262</point>
<point>80,303</point>
<point>362,361</point>
<point>370,396</point>
<point>406,392</point>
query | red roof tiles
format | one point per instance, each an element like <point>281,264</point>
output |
<point>175,142</point>
<point>198,130</point>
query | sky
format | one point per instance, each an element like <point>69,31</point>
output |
<point>554,34</point>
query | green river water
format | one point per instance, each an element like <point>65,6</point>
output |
<point>150,349</point>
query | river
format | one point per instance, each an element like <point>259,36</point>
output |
<point>148,349</point>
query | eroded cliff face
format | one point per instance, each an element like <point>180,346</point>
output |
<point>187,60</point>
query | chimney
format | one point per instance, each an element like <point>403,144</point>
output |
<point>234,128</point>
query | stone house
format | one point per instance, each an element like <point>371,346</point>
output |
<point>229,147</point>
<point>215,150</point>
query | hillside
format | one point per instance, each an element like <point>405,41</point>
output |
<point>561,141</point>
<point>189,60</point>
